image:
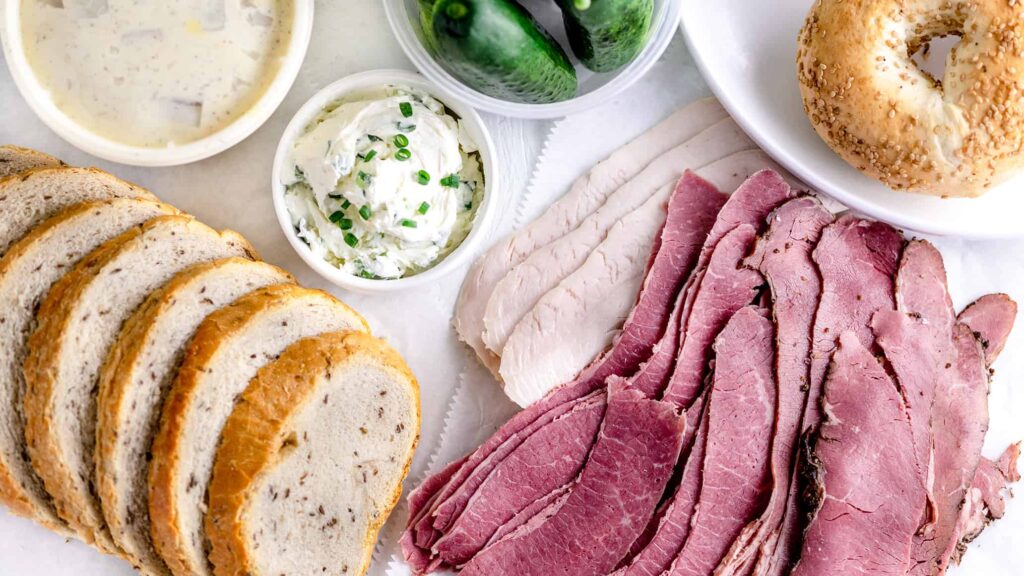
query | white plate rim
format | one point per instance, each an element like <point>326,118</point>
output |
<point>815,180</point>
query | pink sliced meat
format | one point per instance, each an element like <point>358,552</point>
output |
<point>991,317</point>
<point>610,504</point>
<point>871,507</point>
<point>749,205</point>
<point>671,528</point>
<point>736,473</point>
<point>986,499</point>
<point>857,261</point>
<point>420,500</point>
<point>726,287</point>
<point>783,256</point>
<point>692,212</point>
<point>526,475</point>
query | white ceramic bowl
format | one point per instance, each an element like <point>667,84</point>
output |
<point>39,100</point>
<point>471,122</point>
<point>593,88</point>
<point>749,60</point>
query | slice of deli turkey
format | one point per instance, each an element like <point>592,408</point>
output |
<point>230,346</point>
<point>135,379</point>
<point>587,194</point>
<point>588,306</point>
<point>14,159</point>
<point>312,459</point>
<point>516,294</point>
<point>31,197</point>
<point>78,323</point>
<point>27,272</point>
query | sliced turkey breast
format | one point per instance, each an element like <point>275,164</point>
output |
<point>523,287</point>
<point>587,194</point>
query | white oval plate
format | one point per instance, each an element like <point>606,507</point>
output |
<point>747,53</point>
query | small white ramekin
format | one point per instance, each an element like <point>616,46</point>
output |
<point>471,122</point>
<point>42,104</point>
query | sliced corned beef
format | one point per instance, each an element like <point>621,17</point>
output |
<point>986,499</point>
<point>749,205</point>
<point>857,261</point>
<point>610,504</point>
<point>662,544</point>
<point>420,500</point>
<point>871,507</point>
<point>692,212</point>
<point>726,287</point>
<point>991,317</point>
<point>736,472</point>
<point>783,256</point>
<point>526,475</point>
<point>917,340</point>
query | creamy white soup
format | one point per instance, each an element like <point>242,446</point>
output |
<point>154,72</point>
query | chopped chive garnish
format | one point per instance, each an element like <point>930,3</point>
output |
<point>401,140</point>
<point>345,224</point>
<point>423,208</point>
<point>423,177</point>
<point>346,205</point>
<point>405,127</point>
<point>367,274</point>
<point>406,109</point>
<point>403,154</point>
<point>335,196</point>
<point>468,205</point>
<point>374,138</point>
<point>364,179</point>
<point>336,216</point>
<point>408,223</point>
<point>450,181</point>
<point>351,239</point>
<point>369,155</point>
<point>299,174</point>
<point>364,212</point>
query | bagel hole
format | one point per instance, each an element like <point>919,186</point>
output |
<point>932,54</point>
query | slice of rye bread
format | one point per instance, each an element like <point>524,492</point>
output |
<point>137,376</point>
<point>27,272</point>
<point>312,459</point>
<point>14,159</point>
<point>30,197</point>
<point>228,349</point>
<point>79,321</point>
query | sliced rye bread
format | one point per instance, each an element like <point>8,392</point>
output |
<point>312,459</point>
<point>14,159</point>
<point>228,349</point>
<point>35,195</point>
<point>78,323</point>
<point>136,377</point>
<point>27,272</point>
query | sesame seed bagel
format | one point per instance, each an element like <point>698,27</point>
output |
<point>957,135</point>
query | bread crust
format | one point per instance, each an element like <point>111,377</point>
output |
<point>251,439</point>
<point>955,136</point>
<point>218,327</point>
<point>15,159</point>
<point>11,493</point>
<point>116,378</point>
<point>41,374</point>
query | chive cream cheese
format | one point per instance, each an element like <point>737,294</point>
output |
<point>384,184</point>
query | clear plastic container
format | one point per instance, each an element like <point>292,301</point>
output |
<point>593,88</point>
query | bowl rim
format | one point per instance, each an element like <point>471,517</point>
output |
<point>372,79</point>
<point>665,26</point>
<point>39,100</point>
